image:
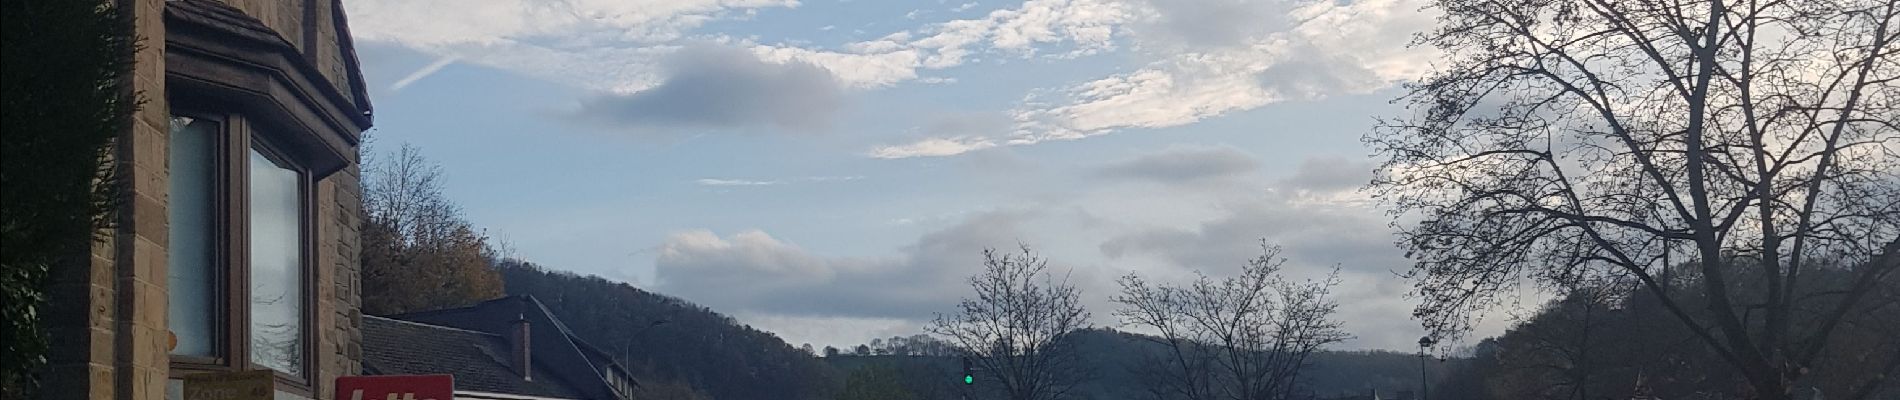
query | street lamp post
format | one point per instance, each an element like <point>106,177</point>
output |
<point>626,346</point>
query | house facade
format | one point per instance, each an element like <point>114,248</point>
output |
<point>236,246</point>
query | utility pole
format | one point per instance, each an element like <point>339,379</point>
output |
<point>1424,380</point>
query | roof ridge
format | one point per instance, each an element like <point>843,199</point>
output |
<point>467,308</point>
<point>432,325</point>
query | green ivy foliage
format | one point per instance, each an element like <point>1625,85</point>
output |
<point>65,97</point>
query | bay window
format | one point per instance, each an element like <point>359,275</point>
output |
<point>239,262</point>
<point>260,233</point>
<point>267,109</point>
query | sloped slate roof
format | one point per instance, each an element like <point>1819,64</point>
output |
<point>479,361</point>
<point>213,13</point>
<point>567,355</point>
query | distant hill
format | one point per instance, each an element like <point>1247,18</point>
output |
<point>1112,353</point>
<point>700,353</point>
<point>711,353</point>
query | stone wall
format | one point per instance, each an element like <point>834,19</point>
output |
<point>339,205</point>
<point>107,317</point>
<point>308,25</point>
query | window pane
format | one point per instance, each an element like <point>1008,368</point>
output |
<point>190,274</point>
<point>276,267</point>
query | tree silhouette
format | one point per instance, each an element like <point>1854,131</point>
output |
<point>418,252</point>
<point>1246,337</point>
<point>1752,139</point>
<point>1017,327</point>
<point>1609,339</point>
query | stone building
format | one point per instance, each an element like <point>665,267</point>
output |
<point>236,248</point>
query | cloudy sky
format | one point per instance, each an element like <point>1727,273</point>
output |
<point>829,170</point>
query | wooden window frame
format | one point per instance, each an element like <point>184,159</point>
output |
<point>221,251</point>
<point>231,315</point>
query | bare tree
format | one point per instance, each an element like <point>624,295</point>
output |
<point>1626,135</point>
<point>404,192</point>
<point>417,251</point>
<point>1018,329</point>
<point>1245,337</point>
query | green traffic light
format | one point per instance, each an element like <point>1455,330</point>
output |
<point>969,377</point>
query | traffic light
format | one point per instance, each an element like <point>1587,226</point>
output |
<point>969,376</point>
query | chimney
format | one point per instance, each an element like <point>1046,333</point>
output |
<point>524,359</point>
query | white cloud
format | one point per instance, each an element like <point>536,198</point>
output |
<point>1374,33</point>
<point>1329,49</point>
<point>1088,25</point>
<point>598,44</point>
<point>933,147</point>
<point>444,23</point>
<point>1315,233</point>
<point>595,44</point>
<point>857,70</point>
<point>753,272</point>
<point>608,68</point>
<point>609,45</point>
<point>1183,164</point>
<point>751,182</point>
<point>733,182</point>
<point>711,86</point>
<point>1209,58</point>
<point>1173,26</point>
<point>1098,234</point>
<point>830,178</point>
<point>1182,90</point>
<point>1303,211</point>
<point>1330,174</point>
<point>423,72</point>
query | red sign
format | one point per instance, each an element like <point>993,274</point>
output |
<point>396,387</point>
